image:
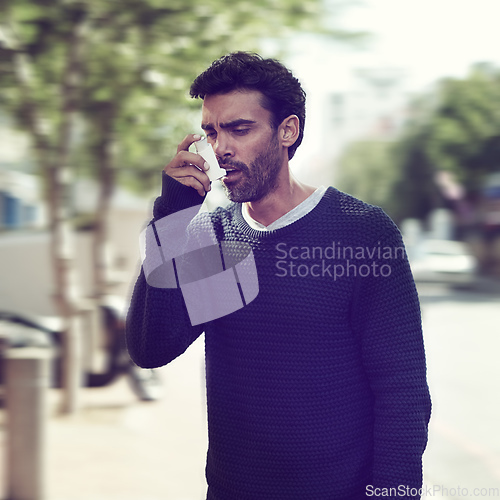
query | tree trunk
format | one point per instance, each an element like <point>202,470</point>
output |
<point>53,165</point>
<point>62,247</point>
<point>106,174</point>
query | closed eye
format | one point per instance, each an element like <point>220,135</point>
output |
<point>241,131</point>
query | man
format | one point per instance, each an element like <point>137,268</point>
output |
<point>316,388</point>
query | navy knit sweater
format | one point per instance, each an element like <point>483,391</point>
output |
<point>316,390</point>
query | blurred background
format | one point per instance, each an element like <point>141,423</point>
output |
<point>403,112</point>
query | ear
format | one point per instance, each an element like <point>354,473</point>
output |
<point>289,130</point>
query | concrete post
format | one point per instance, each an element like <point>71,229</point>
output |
<point>27,376</point>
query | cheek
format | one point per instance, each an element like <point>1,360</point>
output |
<point>244,153</point>
<point>250,149</point>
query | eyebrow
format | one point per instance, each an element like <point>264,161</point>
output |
<point>231,124</point>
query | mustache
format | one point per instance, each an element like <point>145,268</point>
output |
<point>227,162</point>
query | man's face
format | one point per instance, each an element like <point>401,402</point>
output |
<point>246,144</point>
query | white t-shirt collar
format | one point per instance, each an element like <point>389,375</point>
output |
<point>293,215</point>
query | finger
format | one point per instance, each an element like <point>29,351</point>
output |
<point>188,170</point>
<point>194,164</point>
<point>187,141</point>
<point>184,158</point>
<point>190,180</point>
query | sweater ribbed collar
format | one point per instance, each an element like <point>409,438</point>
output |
<point>256,234</point>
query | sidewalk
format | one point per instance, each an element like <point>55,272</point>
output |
<point>119,448</point>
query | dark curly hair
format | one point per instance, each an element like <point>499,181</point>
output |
<point>282,93</point>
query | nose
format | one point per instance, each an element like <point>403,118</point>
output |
<point>223,148</point>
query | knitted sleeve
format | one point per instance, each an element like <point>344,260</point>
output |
<point>387,318</point>
<point>158,328</point>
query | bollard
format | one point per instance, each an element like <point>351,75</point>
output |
<point>27,376</point>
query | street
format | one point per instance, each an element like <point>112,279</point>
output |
<point>462,341</point>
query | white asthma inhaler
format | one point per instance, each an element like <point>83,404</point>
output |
<point>205,150</point>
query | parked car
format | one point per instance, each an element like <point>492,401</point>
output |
<point>444,261</point>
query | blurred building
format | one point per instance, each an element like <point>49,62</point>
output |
<point>373,105</point>
<point>21,204</point>
<point>27,281</point>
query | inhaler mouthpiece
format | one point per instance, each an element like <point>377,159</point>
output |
<point>205,150</point>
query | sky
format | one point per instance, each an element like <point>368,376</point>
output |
<point>433,38</point>
<point>428,38</point>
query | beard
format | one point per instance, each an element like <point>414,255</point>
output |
<point>257,180</point>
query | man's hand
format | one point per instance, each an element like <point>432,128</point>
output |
<point>185,167</point>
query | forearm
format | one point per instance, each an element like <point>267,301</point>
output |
<point>158,326</point>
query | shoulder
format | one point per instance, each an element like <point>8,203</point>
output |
<point>354,216</point>
<point>348,206</point>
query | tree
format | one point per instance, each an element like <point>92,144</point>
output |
<point>41,93</point>
<point>454,129</point>
<point>464,127</point>
<point>415,193</point>
<point>367,170</point>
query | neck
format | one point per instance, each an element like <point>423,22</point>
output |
<point>289,193</point>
